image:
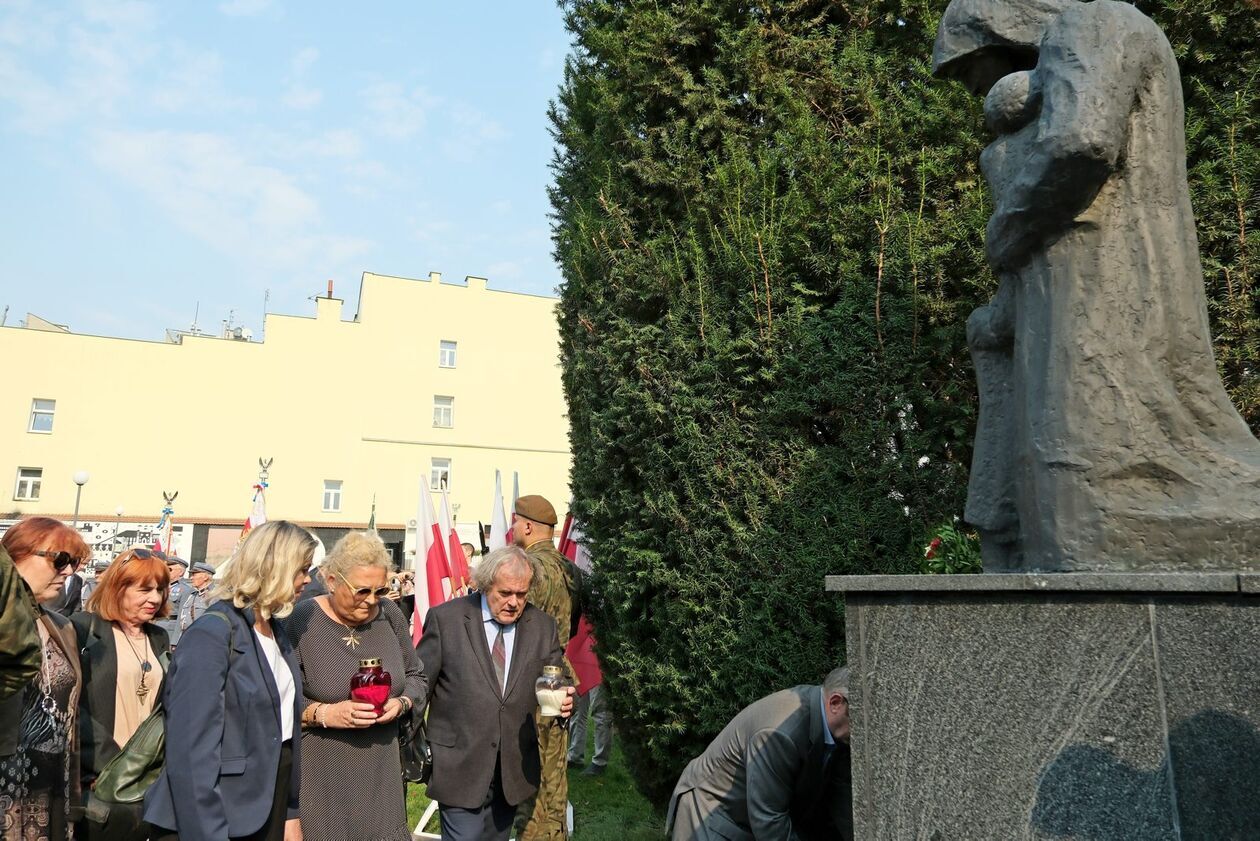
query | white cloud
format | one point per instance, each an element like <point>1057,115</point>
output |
<point>301,98</point>
<point>337,143</point>
<point>120,14</point>
<point>88,65</point>
<point>368,179</point>
<point>244,8</point>
<point>472,132</point>
<point>29,26</point>
<point>432,231</point>
<point>299,95</point>
<point>251,211</point>
<point>398,113</point>
<point>40,106</point>
<point>303,60</point>
<point>191,80</point>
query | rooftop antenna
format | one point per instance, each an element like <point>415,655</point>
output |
<point>196,313</point>
<point>266,300</point>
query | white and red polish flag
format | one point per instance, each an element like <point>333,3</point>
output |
<point>164,529</point>
<point>511,512</point>
<point>257,516</point>
<point>258,512</point>
<point>499,534</point>
<point>433,569</point>
<point>581,647</point>
<point>454,551</point>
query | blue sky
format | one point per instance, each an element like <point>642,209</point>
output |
<point>160,155</point>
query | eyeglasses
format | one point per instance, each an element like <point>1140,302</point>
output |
<point>61,560</point>
<point>364,592</point>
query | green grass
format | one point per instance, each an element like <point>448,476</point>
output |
<point>605,808</point>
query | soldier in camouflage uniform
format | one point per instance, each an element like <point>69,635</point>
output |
<point>542,817</point>
<point>22,653</point>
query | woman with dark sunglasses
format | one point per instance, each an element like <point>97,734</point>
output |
<point>39,759</point>
<point>352,783</point>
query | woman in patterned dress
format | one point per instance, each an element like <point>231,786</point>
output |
<point>39,774</point>
<point>352,787</point>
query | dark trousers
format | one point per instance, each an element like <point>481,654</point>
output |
<point>492,821</point>
<point>273,829</point>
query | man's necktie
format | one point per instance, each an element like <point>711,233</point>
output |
<point>498,653</point>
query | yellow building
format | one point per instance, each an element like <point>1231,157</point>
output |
<point>424,384</point>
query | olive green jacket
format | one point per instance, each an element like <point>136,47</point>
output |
<point>553,592</point>
<point>20,653</point>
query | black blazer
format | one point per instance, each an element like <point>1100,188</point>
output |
<point>98,660</point>
<point>222,755</point>
<point>71,599</point>
<point>471,723</point>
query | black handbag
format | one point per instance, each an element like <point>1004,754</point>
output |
<point>413,747</point>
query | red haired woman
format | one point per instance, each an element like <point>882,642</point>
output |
<point>39,779</point>
<point>123,654</point>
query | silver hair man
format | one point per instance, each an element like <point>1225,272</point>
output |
<point>512,557</point>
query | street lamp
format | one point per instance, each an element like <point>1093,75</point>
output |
<point>113,543</point>
<point>80,478</point>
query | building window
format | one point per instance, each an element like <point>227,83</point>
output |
<point>332,494</point>
<point>28,482</point>
<point>446,354</point>
<point>42,415</point>
<point>443,411</point>
<point>440,474</point>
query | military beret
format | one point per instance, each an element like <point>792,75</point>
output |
<point>536,508</point>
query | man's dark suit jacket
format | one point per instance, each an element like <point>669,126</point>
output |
<point>98,659</point>
<point>471,723</point>
<point>223,740</point>
<point>71,599</point>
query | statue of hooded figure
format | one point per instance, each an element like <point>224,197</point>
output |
<point>1106,440</point>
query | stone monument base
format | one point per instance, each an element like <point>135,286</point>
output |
<point>1045,706</point>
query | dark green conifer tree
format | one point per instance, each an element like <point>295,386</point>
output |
<point>769,220</point>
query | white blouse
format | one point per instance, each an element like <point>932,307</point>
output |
<point>284,682</point>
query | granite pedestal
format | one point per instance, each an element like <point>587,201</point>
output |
<point>1066,705</point>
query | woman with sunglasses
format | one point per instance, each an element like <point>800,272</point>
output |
<point>235,699</point>
<point>124,654</point>
<point>39,774</point>
<point>351,774</point>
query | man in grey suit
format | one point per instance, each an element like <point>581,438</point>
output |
<point>779,770</point>
<point>483,653</point>
<point>180,590</point>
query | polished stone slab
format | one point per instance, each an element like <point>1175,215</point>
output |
<point>1117,706</point>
